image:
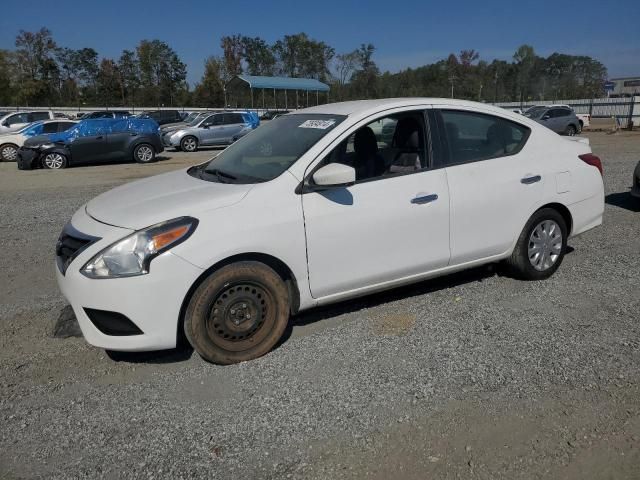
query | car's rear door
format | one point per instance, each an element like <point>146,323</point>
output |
<point>119,137</point>
<point>384,228</point>
<point>233,125</point>
<point>494,181</point>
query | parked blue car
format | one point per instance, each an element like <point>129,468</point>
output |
<point>93,141</point>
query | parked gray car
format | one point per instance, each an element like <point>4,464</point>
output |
<point>222,128</point>
<point>562,120</point>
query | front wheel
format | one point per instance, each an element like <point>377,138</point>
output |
<point>54,161</point>
<point>541,246</point>
<point>144,153</point>
<point>238,313</point>
<point>189,144</point>
<point>570,131</point>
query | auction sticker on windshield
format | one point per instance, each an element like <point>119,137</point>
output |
<point>321,124</point>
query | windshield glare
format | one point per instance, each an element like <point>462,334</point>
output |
<point>272,148</point>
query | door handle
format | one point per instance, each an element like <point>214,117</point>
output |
<point>530,180</point>
<point>134,134</point>
<point>99,137</point>
<point>424,199</point>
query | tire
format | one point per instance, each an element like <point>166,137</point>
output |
<point>54,161</point>
<point>189,144</point>
<point>570,131</point>
<point>144,153</point>
<point>238,313</point>
<point>524,263</point>
<point>8,152</point>
<point>581,126</point>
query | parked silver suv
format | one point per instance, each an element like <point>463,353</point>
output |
<point>560,119</point>
<point>222,128</point>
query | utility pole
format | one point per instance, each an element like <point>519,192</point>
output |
<point>451,80</point>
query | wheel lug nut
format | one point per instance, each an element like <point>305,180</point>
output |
<point>233,312</point>
<point>244,305</point>
<point>248,316</point>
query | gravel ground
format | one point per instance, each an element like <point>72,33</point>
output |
<point>474,375</point>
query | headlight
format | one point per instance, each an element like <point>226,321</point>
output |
<point>132,255</point>
<point>47,145</point>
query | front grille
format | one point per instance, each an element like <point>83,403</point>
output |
<point>70,244</point>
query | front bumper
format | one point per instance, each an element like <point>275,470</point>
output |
<point>168,142</point>
<point>151,302</point>
<point>635,188</point>
<point>27,158</point>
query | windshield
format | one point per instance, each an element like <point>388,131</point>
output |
<point>189,118</point>
<point>31,126</point>
<point>535,112</point>
<point>270,149</point>
<point>197,118</point>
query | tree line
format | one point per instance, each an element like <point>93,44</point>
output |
<point>39,72</point>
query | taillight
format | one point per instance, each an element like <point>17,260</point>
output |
<point>592,160</point>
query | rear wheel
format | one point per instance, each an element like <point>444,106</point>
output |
<point>238,313</point>
<point>54,161</point>
<point>189,144</point>
<point>8,152</point>
<point>144,153</point>
<point>570,130</point>
<point>541,246</point>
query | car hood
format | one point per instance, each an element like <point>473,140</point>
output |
<point>163,197</point>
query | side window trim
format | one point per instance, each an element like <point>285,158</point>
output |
<point>445,142</point>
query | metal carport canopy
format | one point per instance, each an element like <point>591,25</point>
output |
<point>282,83</point>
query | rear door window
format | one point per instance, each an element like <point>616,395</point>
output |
<point>232,118</point>
<point>93,128</point>
<point>35,116</point>
<point>472,136</point>
<point>64,126</point>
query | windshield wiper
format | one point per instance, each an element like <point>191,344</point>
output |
<point>223,177</point>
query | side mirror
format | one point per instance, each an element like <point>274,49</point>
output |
<point>334,175</point>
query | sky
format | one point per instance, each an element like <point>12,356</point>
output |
<point>405,33</point>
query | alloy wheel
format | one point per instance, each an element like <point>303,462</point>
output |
<point>189,144</point>
<point>545,245</point>
<point>145,154</point>
<point>9,153</point>
<point>54,161</point>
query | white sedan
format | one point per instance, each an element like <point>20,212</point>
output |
<point>314,208</point>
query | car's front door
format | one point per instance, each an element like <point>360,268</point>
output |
<point>494,181</point>
<point>210,129</point>
<point>90,145</point>
<point>391,224</point>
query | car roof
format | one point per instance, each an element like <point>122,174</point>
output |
<point>361,107</point>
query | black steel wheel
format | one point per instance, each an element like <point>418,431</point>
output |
<point>238,313</point>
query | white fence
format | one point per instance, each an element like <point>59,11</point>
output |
<point>625,110</point>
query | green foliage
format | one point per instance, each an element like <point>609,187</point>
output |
<point>38,72</point>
